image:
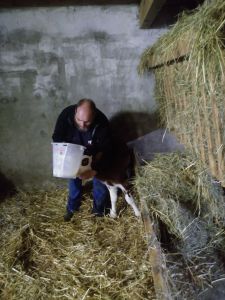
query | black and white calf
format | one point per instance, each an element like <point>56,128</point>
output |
<point>117,175</point>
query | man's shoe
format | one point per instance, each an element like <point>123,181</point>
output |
<point>68,216</point>
<point>97,214</point>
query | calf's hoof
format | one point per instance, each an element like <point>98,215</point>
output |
<point>138,214</point>
<point>112,214</point>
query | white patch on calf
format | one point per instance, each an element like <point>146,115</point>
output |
<point>130,201</point>
<point>113,196</point>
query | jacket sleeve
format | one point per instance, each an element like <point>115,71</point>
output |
<point>60,128</point>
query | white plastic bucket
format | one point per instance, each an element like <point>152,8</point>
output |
<point>66,159</point>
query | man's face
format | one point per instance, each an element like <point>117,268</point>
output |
<point>83,117</point>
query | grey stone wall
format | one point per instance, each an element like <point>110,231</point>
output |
<point>52,57</point>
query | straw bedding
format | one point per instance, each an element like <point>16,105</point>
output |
<point>184,200</point>
<point>43,257</point>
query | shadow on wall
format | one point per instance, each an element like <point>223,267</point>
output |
<point>8,188</point>
<point>127,126</point>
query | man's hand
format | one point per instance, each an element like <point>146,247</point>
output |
<point>87,174</point>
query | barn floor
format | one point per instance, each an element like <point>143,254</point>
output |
<point>42,257</point>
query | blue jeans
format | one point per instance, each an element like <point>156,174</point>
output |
<point>101,199</point>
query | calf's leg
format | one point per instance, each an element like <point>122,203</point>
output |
<point>113,198</point>
<point>130,200</point>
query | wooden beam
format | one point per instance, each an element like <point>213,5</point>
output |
<point>148,11</point>
<point>46,3</point>
<point>156,257</point>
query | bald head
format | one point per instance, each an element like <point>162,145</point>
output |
<point>85,114</point>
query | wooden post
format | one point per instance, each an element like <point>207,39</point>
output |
<point>156,257</point>
<point>148,11</point>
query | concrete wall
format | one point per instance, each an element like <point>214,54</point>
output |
<point>52,57</point>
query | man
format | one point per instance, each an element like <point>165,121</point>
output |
<point>84,124</point>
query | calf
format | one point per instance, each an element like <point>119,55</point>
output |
<point>116,175</point>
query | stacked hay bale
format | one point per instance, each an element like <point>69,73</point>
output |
<point>189,64</point>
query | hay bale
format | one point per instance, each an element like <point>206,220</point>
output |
<point>190,93</point>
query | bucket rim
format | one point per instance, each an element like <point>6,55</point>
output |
<point>62,143</point>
